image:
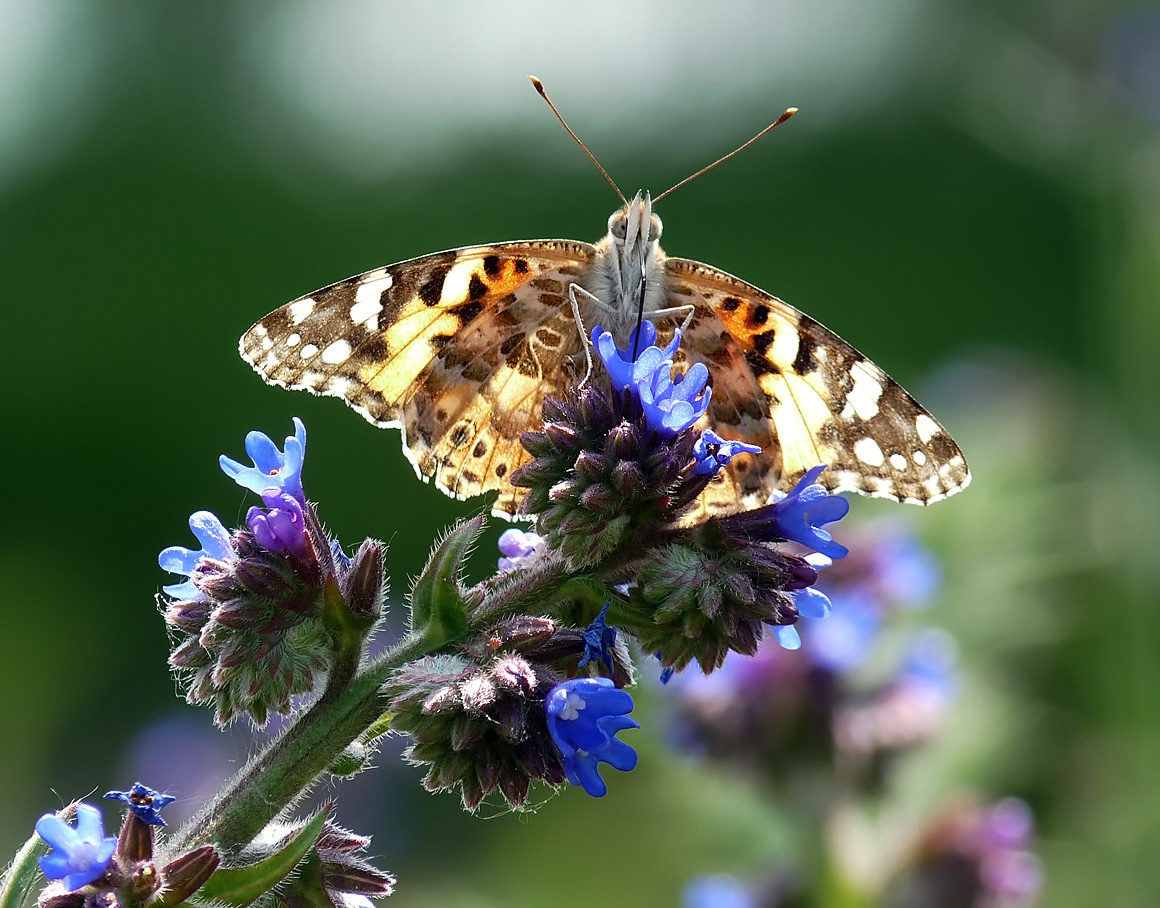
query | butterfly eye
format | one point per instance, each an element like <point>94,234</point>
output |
<point>618,225</point>
<point>654,229</point>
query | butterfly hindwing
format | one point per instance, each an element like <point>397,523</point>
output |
<point>824,402</point>
<point>456,348</point>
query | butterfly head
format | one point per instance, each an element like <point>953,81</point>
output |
<point>634,227</point>
<point>630,254</point>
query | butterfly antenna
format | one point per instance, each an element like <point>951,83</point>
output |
<point>543,94</point>
<point>790,111</point>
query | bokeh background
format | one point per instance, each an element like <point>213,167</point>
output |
<point>970,194</point>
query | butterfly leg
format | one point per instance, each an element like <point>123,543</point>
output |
<point>689,311</point>
<point>573,289</point>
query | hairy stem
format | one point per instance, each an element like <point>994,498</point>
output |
<point>289,765</point>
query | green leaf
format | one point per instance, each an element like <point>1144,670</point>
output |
<point>239,886</point>
<point>438,610</point>
<point>306,889</point>
<point>23,872</point>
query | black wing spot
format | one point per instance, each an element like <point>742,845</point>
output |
<point>476,289</point>
<point>491,265</point>
<point>466,312</point>
<point>431,291</point>
<point>762,342</point>
<point>731,304</point>
<point>756,316</point>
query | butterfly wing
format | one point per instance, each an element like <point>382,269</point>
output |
<point>784,381</point>
<point>457,349</point>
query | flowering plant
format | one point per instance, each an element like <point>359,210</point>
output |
<point>518,681</point>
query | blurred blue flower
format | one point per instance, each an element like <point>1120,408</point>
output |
<point>599,639</point>
<point>584,717</point>
<point>79,855</point>
<point>906,571</point>
<point>281,528</point>
<point>271,466</point>
<point>625,370</point>
<point>712,452</point>
<point>145,803</point>
<point>717,890</point>
<point>931,664</point>
<point>215,543</point>
<point>844,640</point>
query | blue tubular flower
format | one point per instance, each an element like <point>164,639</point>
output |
<point>599,639</point>
<point>282,528</point>
<point>712,452</point>
<point>271,466</point>
<point>145,803</point>
<point>584,717</point>
<point>215,543</point>
<point>787,636</point>
<point>79,855</point>
<point>799,516</point>
<point>671,407</point>
<point>622,368</point>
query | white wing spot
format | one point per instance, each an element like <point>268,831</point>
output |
<point>366,308</point>
<point>267,343</point>
<point>300,310</point>
<point>919,458</point>
<point>308,351</point>
<point>294,340</point>
<point>867,451</point>
<point>898,461</point>
<point>337,352</point>
<point>927,427</point>
<point>866,391</point>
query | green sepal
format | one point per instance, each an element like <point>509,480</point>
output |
<point>239,886</point>
<point>305,889</point>
<point>438,606</point>
<point>22,873</point>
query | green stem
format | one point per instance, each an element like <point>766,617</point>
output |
<point>291,763</point>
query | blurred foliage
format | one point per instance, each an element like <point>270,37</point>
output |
<point>932,228</point>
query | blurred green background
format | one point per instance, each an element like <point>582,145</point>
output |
<point>970,194</point>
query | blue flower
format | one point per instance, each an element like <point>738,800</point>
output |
<point>271,466</point>
<point>717,891</point>
<point>79,855</point>
<point>799,516</point>
<point>787,636</point>
<point>584,717</point>
<point>517,548</point>
<point>671,407</point>
<point>622,368</point>
<point>712,452</point>
<point>145,803</point>
<point>599,639</point>
<point>280,529</point>
<point>215,543</point>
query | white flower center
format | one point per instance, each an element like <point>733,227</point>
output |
<point>572,706</point>
<point>84,854</point>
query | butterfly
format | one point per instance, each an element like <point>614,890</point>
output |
<point>459,349</point>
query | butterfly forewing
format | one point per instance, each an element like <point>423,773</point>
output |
<point>822,401</point>
<point>458,349</point>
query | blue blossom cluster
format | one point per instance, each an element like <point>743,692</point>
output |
<point>253,604</point>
